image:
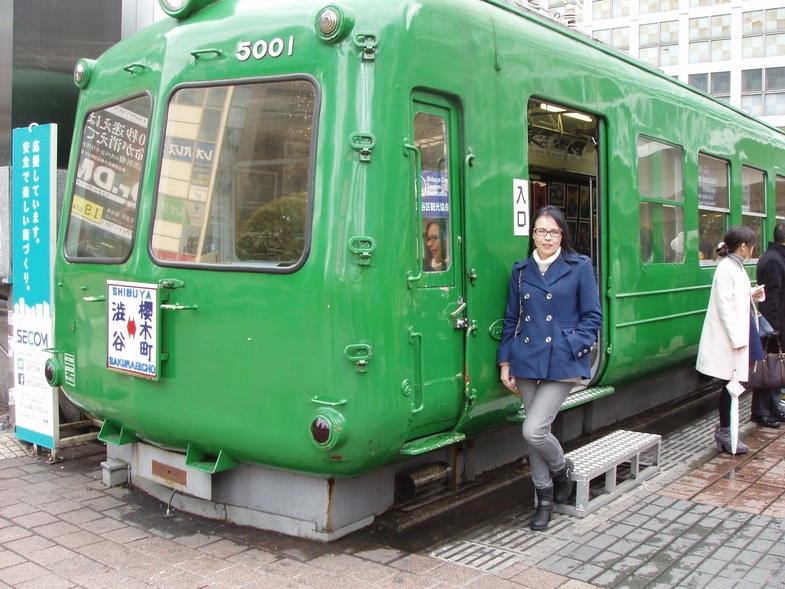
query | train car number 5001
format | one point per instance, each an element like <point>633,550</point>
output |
<point>261,48</point>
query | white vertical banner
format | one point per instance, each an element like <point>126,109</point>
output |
<point>34,207</point>
<point>520,207</point>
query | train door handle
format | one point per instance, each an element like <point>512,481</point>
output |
<point>461,307</point>
<point>459,322</point>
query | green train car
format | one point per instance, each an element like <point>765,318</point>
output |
<point>289,230</point>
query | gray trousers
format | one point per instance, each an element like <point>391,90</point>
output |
<point>542,400</point>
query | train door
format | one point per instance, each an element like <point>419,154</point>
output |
<point>564,171</point>
<point>436,281</point>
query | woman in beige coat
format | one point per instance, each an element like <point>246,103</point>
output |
<point>724,343</point>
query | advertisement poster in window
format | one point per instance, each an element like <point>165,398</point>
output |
<point>556,194</point>
<point>572,202</point>
<point>107,181</point>
<point>540,191</point>
<point>435,194</point>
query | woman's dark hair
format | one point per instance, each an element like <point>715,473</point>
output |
<point>779,232</point>
<point>557,215</point>
<point>735,236</point>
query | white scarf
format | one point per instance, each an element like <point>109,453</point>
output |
<point>543,265</point>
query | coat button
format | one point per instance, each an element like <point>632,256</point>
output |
<point>549,296</point>
<point>528,318</point>
<point>548,318</point>
<point>526,339</point>
<point>580,354</point>
<point>526,296</point>
<point>548,339</point>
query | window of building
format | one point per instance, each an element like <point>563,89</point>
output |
<point>763,91</point>
<point>700,3</point>
<point>654,6</point>
<point>710,38</point>
<point>763,33</point>
<point>699,81</point>
<point>713,205</point>
<point>659,43</point>
<point>618,38</point>
<point>661,211</point>
<point>716,83</point>
<point>753,201</point>
<point>720,85</point>
<point>605,9</point>
<point>621,38</point>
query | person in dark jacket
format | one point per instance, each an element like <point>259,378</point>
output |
<point>766,408</point>
<point>551,324</point>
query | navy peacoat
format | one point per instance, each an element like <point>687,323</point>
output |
<point>552,321</point>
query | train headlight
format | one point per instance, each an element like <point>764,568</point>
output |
<point>182,8</point>
<point>333,23</point>
<point>53,372</point>
<point>328,428</point>
<point>83,71</point>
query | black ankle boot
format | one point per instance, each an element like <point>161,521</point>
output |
<point>544,510</point>
<point>562,482</point>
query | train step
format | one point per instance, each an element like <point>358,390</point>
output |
<point>575,398</point>
<point>609,466</point>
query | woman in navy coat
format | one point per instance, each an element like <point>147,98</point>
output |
<point>551,324</point>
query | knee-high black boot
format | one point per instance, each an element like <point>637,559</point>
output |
<point>563,483</point>
<point>544,511</point>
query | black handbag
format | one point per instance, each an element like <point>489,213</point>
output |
<point>769,373</point>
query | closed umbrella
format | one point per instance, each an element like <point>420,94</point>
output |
<point>735,388</point>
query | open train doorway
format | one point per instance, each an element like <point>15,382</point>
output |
<point>563,171</point>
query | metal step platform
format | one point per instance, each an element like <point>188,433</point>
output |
<point>609,466</point>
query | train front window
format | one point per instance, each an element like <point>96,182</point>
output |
<point>103,203</point>
<point>236,175</point>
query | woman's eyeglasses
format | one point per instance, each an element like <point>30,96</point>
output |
<point>432,238</point>
<point>540,232</point>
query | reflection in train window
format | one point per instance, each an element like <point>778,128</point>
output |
<point>753,204</point>
<point>235,175</point>
<point>713,205</point>
<point>661,212</point>
<point>103,209</point>
<point>430,137</point>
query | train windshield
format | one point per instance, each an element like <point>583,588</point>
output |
<point>236,175</point>
<point>103,207</point>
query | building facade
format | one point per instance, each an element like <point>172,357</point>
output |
<point>731,49</point>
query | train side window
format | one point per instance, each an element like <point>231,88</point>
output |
<point>236,174</point>
<point>103,206</point>
<point>713,205</point>
<point>779,198</point>
<point>430,138</point>
<point>753,203</point>
<point>661,211</point>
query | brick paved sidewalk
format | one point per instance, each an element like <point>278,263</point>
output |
<point>705,520</point>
